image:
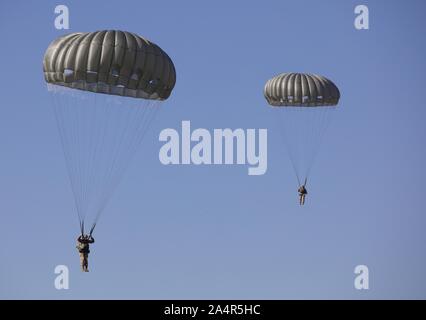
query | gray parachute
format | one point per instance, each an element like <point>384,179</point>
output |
<point>112,62</point>
<point>304,104</point>
<point>299,89</point>
<point>93,79</point>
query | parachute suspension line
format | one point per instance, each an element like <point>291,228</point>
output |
<point>82,139</point>
<point>303,129</point>
<point>322,125</point>
<point>92,229</point>
<point>96,180</point>
<point>143,118</point>
<point>99,135</point>
<point>81,142</point>
<point>314,114</point>
<point>122,153</point>
<point>99,147</point>
<point>286,137</point>
<point>138,137</point>
<point>96,142</point>
<point>115,156</point>
<point>74,113</point>
<point>311,125</point>
<point>87,143</point>
<point>94,145</point>
<point>74,147</point>
<point>316,123</point>
<point>115,152</point>
<point>64,141</point>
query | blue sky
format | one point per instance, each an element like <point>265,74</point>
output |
<point>180,232</point>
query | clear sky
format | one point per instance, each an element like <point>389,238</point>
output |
<point>178,232</point>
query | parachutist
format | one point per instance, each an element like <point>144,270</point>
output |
<point>83,242</point>
<point>302,194</point>
<point>306,101</point>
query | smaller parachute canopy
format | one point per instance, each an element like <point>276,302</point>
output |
<point>112,62</point>
<point>299,89</point>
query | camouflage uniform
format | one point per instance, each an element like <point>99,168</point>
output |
<point>83,249</point>
<point>302,194</point>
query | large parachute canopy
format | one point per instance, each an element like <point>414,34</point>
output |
<point>113,62</point>
<point>106,88</point>
<point>305,102</point>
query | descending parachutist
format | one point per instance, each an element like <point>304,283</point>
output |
<point>106,89</point>
<point>302,194</point>
<point>83,247</point>
<point>305,101</point>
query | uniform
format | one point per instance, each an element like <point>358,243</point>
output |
<point>302,194</point>
<point>83,250</point>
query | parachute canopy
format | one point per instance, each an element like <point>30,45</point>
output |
<point>113,62</point>
<point>299,89</point>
